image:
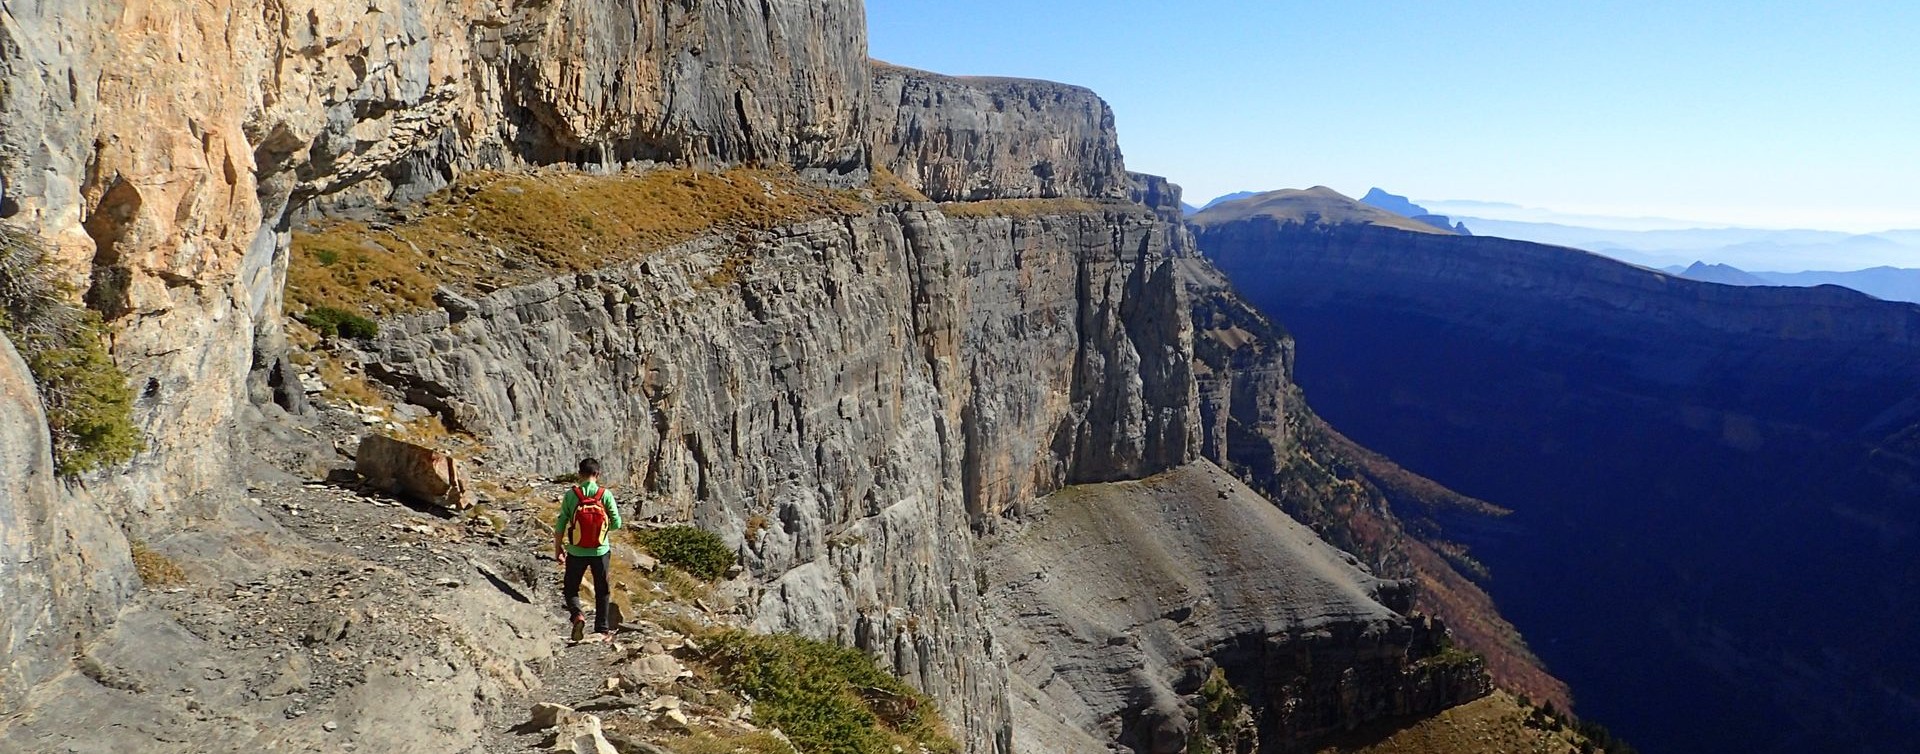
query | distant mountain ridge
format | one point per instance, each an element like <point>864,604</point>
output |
<point>1317,206</point>
<point>1405,207</point>
<point>1222,199</point>
<point>1661,242</point>
<point>1888,283</point>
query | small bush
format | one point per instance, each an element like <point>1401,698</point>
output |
<point>696,551</point>
<point>1221,710</point>
<point>89,407</point>
<point>340,323</point>
<point>828,699</point>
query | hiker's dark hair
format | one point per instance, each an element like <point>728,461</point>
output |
<point>589,467</point>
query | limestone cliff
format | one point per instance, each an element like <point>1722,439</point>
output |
<point>973,138</point>
<point>160,148</point>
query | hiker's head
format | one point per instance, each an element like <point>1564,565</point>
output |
<point>589,468</point>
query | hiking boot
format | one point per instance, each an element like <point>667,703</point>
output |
<point>579,629</point>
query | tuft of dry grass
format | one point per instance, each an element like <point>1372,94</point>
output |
<point>758,742</point>
<point>156,571</point>
<point>492,229</point>
<point>345,385</point>
<point>890,187</point>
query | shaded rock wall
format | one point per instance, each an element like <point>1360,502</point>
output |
<point>1257,424</point>
<point>1735,441</point>
<point>973,138</point>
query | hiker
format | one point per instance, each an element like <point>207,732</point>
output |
<point>581,541</point>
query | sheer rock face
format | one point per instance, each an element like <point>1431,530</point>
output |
<point>970,138</point>
<point>1078,368</point>
<point>797,394</point>
<point>863,392</point>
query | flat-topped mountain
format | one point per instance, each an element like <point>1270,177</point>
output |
<point>1713,483</point>
<point>1317,206</point>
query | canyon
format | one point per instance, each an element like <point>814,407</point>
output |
<point>1711,486</point>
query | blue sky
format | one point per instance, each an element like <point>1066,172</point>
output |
<point>1753,113</point>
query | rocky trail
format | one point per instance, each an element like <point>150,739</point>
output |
<point>321,616</point>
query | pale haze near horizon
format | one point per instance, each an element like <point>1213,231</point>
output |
<point>1717,113</point>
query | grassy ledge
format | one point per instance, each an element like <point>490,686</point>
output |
<point>1031,207</point>
<point>491,230</point>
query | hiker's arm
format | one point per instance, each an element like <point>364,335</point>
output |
<point>560,527</point>
<point>613,510</point>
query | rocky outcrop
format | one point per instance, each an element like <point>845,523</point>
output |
<point>1675,452</point>
<point>1118,601</point>
<point>412,471</point>
<point>974,138</point>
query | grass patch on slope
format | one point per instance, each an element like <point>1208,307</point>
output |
<point>491,230</point>
<point>1495,724</point>
<point>827,698</point>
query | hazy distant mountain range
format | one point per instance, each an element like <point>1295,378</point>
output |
<point>1659,241</point>
<point>1401,205</point>
<point>1890,283</point>
<point>1880,264</point>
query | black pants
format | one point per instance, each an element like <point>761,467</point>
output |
<point>576,567</point>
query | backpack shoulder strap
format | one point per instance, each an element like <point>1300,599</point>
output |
<point>581,496</point>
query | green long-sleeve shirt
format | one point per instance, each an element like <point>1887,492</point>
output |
<point>566,517</point>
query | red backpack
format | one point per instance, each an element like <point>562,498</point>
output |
<point>588,529</point>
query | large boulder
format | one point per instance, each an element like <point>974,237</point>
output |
<point>412,471</point>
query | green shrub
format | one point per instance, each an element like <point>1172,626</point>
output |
<point>1220,709</point>
<point>829,699</point>
<point>696,551</point>
<point>89,407</point>
<point>340,323</point>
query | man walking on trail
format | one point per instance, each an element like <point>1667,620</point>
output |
<point>581,541</point>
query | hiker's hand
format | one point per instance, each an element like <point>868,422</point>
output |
<point>560,554</point>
